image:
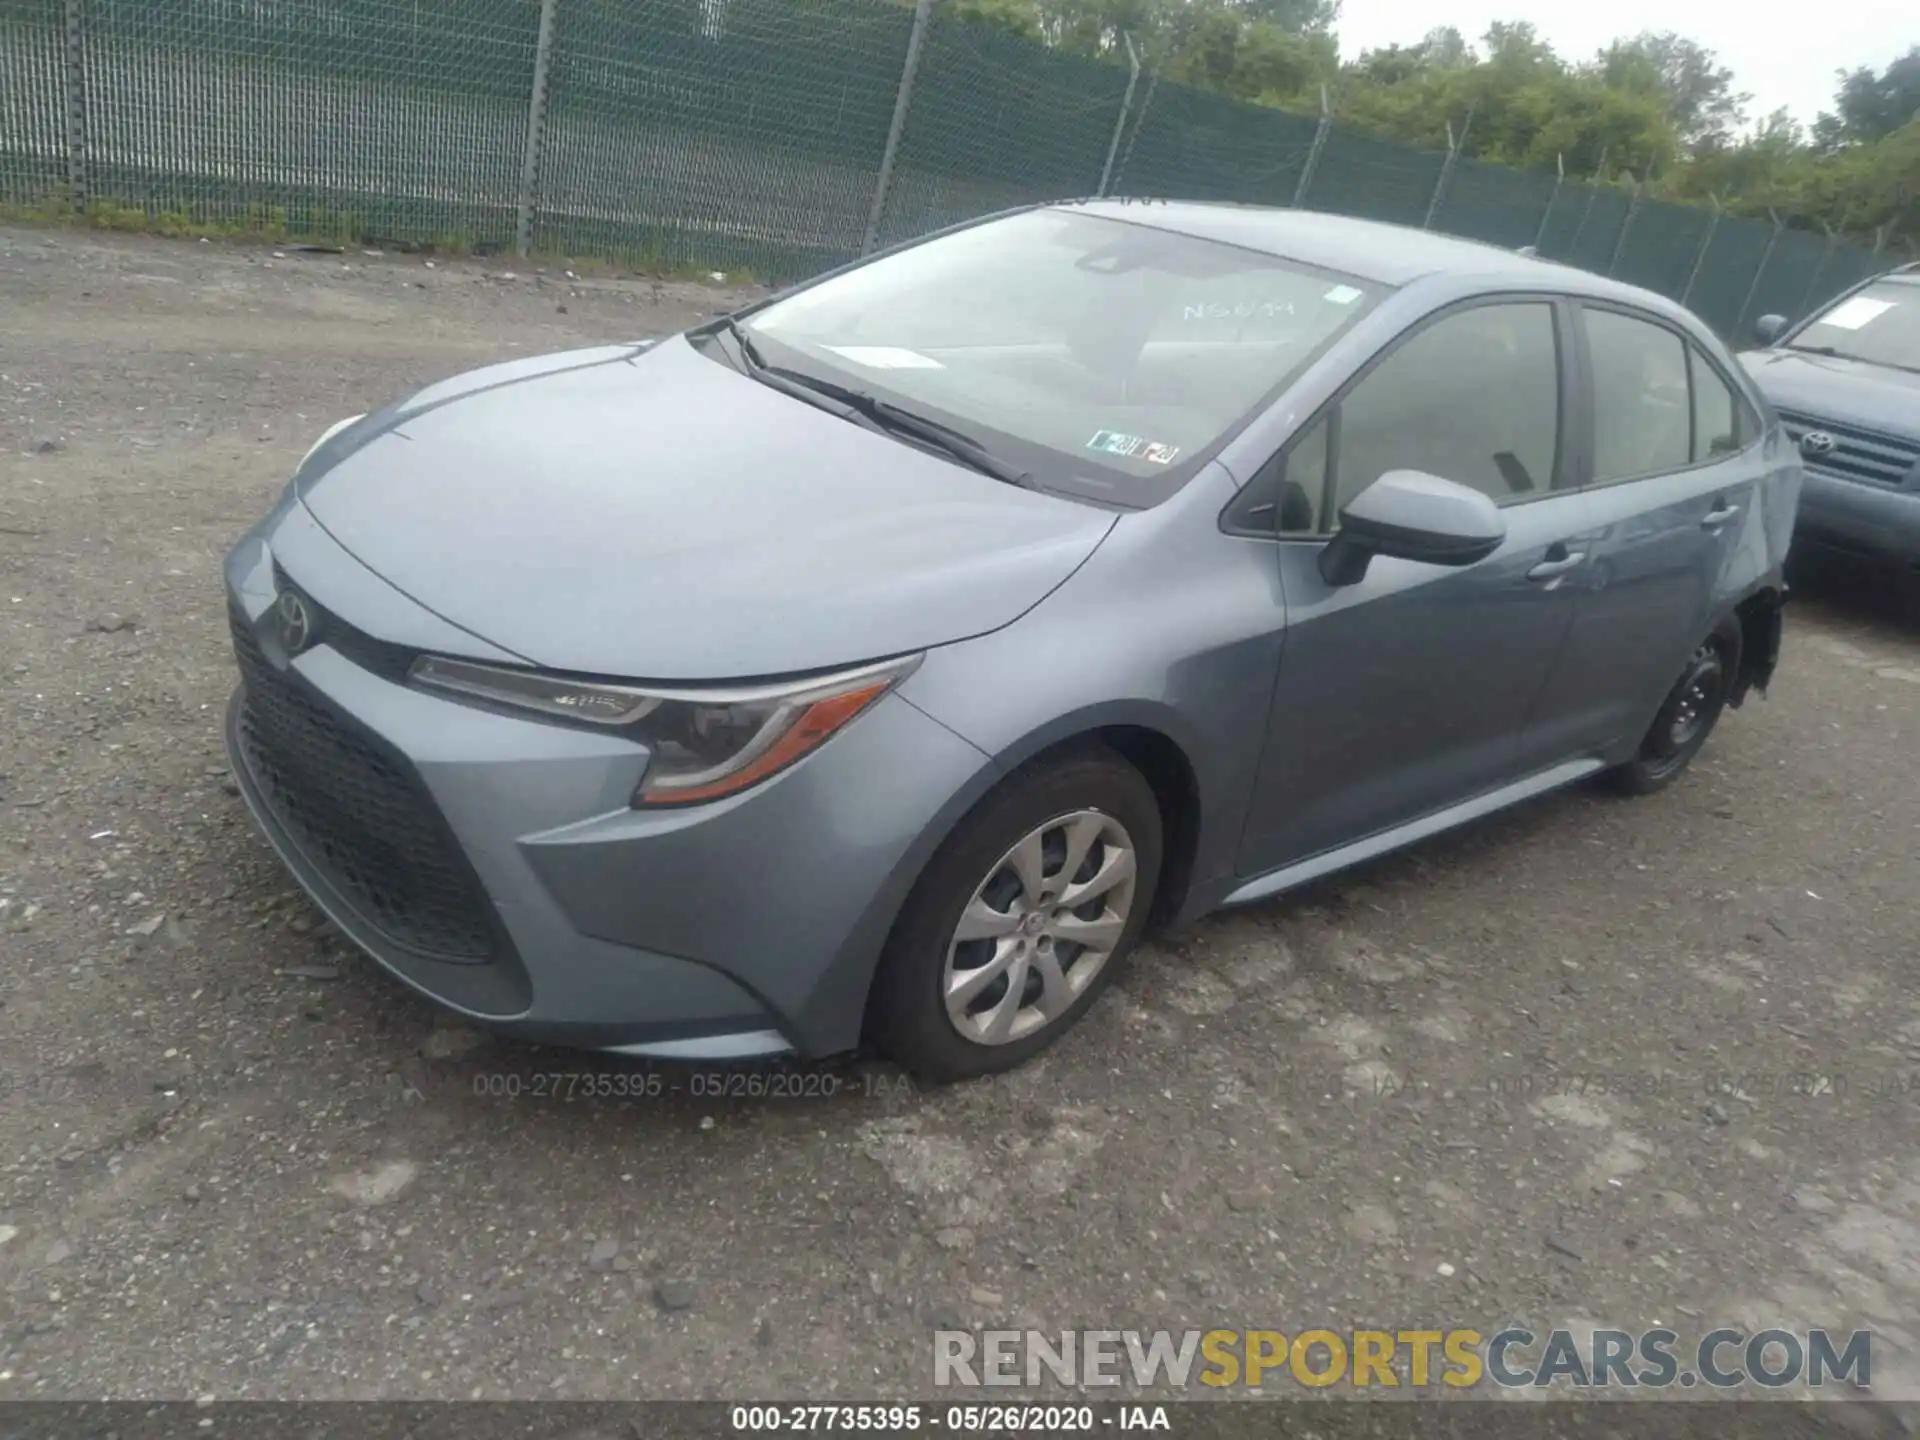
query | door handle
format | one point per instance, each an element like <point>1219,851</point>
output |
<point>1556,563</point>
<point>1719,515</point>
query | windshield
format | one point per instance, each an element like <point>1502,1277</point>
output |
<point>1100,357</point>
<point>1880,324</point>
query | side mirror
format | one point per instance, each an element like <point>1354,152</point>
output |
<point>1411,515</point>
<point>1769,328</point>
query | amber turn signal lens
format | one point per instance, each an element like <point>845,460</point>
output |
<point>806,731</point>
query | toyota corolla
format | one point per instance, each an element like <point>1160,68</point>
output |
<point>872,665</point>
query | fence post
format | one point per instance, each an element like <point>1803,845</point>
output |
<point>922,13</point>
<point>536,126</point>
<point>1553,196</point>
<point>1313,150</point>
<point>1753,285</point>
<point>1133,135</point>
<point>1813,281</point>
<point>1446,168</point>
<point>1120,125</point>
<point>1586,212</point>
<point>1620,242</point>
<point>1706,243</point>
<point>75,57</point>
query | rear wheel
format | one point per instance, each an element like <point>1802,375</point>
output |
<point>1687,716</point>
<point>1020,920</point>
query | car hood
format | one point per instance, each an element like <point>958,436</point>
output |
<point>1845,392</point>
<point>651,513</point>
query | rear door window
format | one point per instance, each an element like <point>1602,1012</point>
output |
<point>1642,402</point>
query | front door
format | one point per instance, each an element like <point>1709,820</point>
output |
<point>1409,691</point>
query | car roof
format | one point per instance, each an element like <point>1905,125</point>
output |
<point>1366,249</point>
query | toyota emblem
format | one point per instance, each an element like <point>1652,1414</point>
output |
<point>1816,442</point>
<point>295,621</point>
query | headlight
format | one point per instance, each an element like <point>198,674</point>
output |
<point>706,743</point>
<point>327,434</point>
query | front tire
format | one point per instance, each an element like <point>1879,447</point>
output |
<point>1687,716</point>
<point>1020,920</point>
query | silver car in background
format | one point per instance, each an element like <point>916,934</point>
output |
<point>874,664</point>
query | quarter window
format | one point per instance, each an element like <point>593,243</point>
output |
<point>1642,409</point>
<point>1303,482</point>
<point>1719,415</point>
<point>1473,398</point>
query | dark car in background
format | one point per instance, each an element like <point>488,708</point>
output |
<point>1846,382</point>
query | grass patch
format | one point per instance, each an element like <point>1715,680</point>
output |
<point>274,224</point>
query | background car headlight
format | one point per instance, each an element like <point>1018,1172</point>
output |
<point>705,743</point>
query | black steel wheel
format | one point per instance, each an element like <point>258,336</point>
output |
<point>1687,716</point>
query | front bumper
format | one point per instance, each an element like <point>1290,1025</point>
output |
<point>1860,518</point>
<point>492,862</point>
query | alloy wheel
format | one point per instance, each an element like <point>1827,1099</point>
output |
<point>1038,929</point>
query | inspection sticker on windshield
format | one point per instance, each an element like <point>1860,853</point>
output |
<point>1133,447</point>
<point>1342,295</point>
<point>1112,442</point>
<point>1855,313</point>
<point>886,357</point>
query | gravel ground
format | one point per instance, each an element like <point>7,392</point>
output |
<point>236,1160</point>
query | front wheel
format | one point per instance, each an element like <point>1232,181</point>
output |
<point>1687,716</point>
<point>1021,919</point>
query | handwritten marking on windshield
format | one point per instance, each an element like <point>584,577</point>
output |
<point>1239,310</point>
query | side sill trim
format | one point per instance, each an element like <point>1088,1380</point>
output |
<point>1287,877</point>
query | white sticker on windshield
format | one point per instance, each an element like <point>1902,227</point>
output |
<point>886,357</point>
<point>1855,313</point>
<point>1342,295</point>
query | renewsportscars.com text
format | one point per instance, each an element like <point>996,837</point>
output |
<point>1457,1357</point>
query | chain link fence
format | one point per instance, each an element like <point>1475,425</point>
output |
<point>773,136</point>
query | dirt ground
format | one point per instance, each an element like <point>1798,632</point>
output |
<point>1554,1069</point>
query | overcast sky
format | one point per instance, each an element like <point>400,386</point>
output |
<point>1788,59</point>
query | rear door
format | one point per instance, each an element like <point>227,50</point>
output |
<point>1671,467</point>
<point>1407,692</point>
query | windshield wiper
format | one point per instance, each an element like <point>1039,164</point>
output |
<point>1837,354</point>
<point>789,382</point>
<point>957,443</point>
<point>870,410</point>
<point>1829,351</point>
<point>742,342</point>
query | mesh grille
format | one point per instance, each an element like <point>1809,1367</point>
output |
<point>357,814</point>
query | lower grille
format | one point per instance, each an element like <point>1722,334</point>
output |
<point>1857,454</point>
<point>358,814</point>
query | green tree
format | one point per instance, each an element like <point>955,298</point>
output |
<point>1294,17</point>
<point>1217,48</point>
<point>1657,106</point>
<point>1857,174</point>
<point>1869,106</point>
<point>1696,89</point>
<point>1518,103</point>
<point>1018,17</point>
